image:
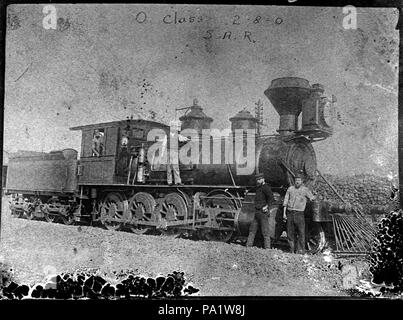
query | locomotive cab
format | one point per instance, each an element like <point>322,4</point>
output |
<point>109,150</point>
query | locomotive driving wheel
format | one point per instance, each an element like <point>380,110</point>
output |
<point>173,207</point>
<point>141,207</point>
<point>170,208</point>
<point>222,219</point>
<point>113,206</point>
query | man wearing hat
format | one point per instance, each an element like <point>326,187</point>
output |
<point>97,143</point>
<point>170,146</point>
<point>294,206</point>
<point>263,199</point>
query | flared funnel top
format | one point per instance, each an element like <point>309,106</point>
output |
<point>286,95</point>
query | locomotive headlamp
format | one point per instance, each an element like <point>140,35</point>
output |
<point>317,113</point>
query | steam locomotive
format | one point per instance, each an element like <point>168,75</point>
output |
<point>122,188</point>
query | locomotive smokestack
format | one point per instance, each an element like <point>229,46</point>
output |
<point>286,95</point>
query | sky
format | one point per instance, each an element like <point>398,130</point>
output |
<point>106,62</point>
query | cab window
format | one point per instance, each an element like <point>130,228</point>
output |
<point>98,143</point>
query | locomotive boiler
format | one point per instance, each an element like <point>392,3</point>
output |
<point>122,188</point>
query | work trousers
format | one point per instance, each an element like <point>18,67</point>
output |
<point>173,166</point>
<point>261,219</point>
<point>296,226</point>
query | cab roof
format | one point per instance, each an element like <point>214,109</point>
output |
<point>139,122</point>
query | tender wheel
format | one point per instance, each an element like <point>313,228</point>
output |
<point>29,210</point>
<point>48,217</point>
<point>35,208</point>
<point>68,220</point>
<point>15,208</point>
<point>316,240</point>
<point>225,202</point>
<point>67,216</point>
<point>16,213</point>
<point>174,207</point>
<point>114,206</point>
<point>141,207</point>
<point>67,213</point>
<point>45,209</point>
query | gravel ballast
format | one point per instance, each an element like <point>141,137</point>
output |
<point>37,248</point>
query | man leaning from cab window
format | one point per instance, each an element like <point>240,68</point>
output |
<point>97,144</point>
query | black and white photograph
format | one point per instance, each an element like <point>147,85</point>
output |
<point>161,151</point>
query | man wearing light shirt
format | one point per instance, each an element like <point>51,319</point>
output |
<point>171,149</point>
<point>294,206</point>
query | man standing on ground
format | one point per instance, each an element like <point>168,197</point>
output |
<point>263,199</point>
<point>294,206</point>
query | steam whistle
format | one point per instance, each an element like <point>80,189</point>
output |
<point>141,165</point>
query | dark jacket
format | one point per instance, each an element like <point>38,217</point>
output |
<point>263,196</point>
